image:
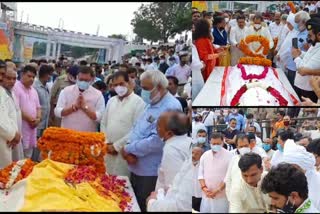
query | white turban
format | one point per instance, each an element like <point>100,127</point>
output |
<point>290,19</point>
<point>295,154</point>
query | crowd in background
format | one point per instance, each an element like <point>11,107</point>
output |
<point>141,104</point>
<point>217,35</point>
<point>238,154</point>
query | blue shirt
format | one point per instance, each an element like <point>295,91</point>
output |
<point>169,71</point>
<point>302,39</point>
<point>240,120</point>
<point>144,141</point>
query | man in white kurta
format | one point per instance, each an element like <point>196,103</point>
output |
<point>258,29</point>
<point>237,33</point>
<point>178,197</point>
<point>296,154</point>
<point>177,147</point>
<point>212,170</point>
<point>117,120</point>
<point>8,128</point>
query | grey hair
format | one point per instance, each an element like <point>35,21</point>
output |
<point>284,16</point>
<point>303,15</point>
<point>177,124</point>
<point>157,77</point>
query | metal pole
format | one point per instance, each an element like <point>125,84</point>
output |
<point>210,6</point>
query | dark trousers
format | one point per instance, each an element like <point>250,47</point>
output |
<point>308,94</point>
<point>143,186</point>
<point>291,76</point>
<point>196,202</point>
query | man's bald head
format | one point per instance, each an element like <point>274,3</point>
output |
<point>172,123</point>
<point>10,78</point>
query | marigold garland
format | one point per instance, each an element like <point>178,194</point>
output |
<point>6,173</point>
<point>107,186</point>
<point>264,42</point>
<point>255,61</point>
<point>74,147</point>
<point>292,7</point>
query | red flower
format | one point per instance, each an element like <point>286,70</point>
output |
<point>278,96</point>
<point>245,76</point>
<point>237,96</point>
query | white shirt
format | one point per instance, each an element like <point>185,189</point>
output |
<point>260,151</point>
<point>175,152</point>
<point>285,49</point>
<point>178,197</point>
<point>197,192</point>
<point>196,126</point>
<point>283,33</point>
<point>116,123</point>
<point>150,67</point>
<point>275,29</point>
<point>309,60</point>
<point>276,158</point>
<point>313,133</point>
<point>8,127</point>
<point>236,34</point>
<point>259,142</point>
<point>209,118</point>
<point>233,23</point>
<point>264,31</point>
<point>270,153</point>
<point>247,199</point>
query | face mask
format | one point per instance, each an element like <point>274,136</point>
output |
<point>201,140</point>
<point>216,148</point>
<point>145,95</point>
<point>171,63</point>
<point>279,147</point>
<point>83,85</point>
<point>286,123</point>
<point>310,41</point>
<point>161,61</point>
<point>221,28</point>
<point>195,162</point>
<point>232,128</point>
<point>257,26</point>
<point>266,147</point>
<point>226,20</point>
<point>121,90</point>
<point>288,208</point>
<point>244,150</point>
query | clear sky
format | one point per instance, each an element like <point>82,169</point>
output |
<point>114,18</point>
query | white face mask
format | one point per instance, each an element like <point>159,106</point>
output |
<point>226,19</point>
<point>232,128</point>
<point>244,150</point>
<point>121,90</point>
<point>257,26</point>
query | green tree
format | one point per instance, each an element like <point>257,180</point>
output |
<point>161,20</point>
<point>118,36</point>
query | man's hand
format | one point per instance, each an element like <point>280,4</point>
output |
<point>315,83</point>
<point>15,140</point>
<point>130,158</point>
<point>153,195</point>
<point>111,150</point>
<point>82,102</point>
<point>295,52</point>
<point>306,46</point>
<point>303,71</point>
<point>35,123</point>
<point>307,102</point>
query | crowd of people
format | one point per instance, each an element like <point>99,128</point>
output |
<point>256,160</point>
<point>141,105</point>
<point>216,39</point>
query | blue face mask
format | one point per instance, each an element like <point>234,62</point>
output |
<point>279,147</point>
<point>83,85</point>
<point>216,148</point>
<point>145,95</point>
<point>266,147</point>
<point>201,140</point>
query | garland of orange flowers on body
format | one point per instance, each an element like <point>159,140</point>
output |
<point>108,186</point>
<point>255,61</point>
<point>74,147</point>
<point>15,172</point>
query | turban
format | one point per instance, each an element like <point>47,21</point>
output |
<point>290,19</point>
<point>295,154</point>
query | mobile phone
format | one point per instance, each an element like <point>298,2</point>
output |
<point>295,43</point>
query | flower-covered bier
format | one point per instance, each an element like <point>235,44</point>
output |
<point>74,147</point>
<point>15,172</point>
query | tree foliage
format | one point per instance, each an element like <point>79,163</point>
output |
<point>118,36</point>
<point>161,20</point>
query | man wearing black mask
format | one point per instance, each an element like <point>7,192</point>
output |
<point>287,187</point>
<point>308,62</point>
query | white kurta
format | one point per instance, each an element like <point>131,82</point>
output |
<point>197,78</point>
<point>275,29</point>
<point>8,128</point>
<point>116,123</point>
<point>262,32</point>
<point>276,158</point>
<point>236,35</point>
<point>233,173</point>
<point>17,151</point>
<point>313,178</point>
<point>247,199</point>
<point>178,197</point>
<point>175,152</point>
<point>311,209</point>
<point>197,192</point>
